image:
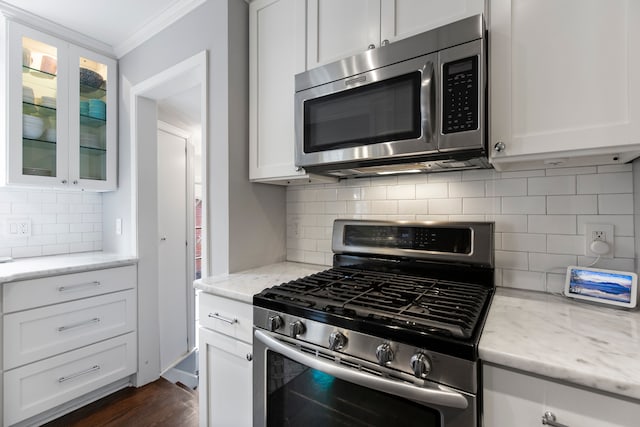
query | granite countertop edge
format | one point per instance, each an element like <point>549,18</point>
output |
<point>37,267</point>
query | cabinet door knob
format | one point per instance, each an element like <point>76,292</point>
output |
<point>384,42</point>
<point>499,146</point>
<point>64,181</point>
<point>371,46</point>
<point>249,357</point>
<point>75,182</point>
<point>549,419</point>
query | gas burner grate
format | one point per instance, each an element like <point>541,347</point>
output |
<point>419,303</point>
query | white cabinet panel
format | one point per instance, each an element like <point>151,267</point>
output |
<point>39,386</point>
<point>229,317</point>
<point>25,294</point>
<point>337,29</point>
<point>515,399</point>
<point>567,90</point>
<point>225,381</point>
<point>276,52</point>
<point>42,332</point>
<point>403,18</point>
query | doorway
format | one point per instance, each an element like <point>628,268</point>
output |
<point>166,200</point>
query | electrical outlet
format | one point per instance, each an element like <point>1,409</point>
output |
<point>601,233</point>
<point>18,227</point>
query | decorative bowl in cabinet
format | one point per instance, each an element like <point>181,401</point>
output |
<point>90,78</point>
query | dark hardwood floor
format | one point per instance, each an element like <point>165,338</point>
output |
<point>157,404</point>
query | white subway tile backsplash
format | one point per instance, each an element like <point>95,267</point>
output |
<point>432,191</point>
<point>605,183</point>
<point>531,280</point>
<point>445,206</point>
<point>466,189</point>
<point>57,218</point>
<point>539,215</point>
<point>572,204</point>
<point>524,205</point>
<point>554,224</point>
<point>524,242</point>
<point>401,192</point>
<point>506,187</point>
<point>565,244</point>
<point>481,205</point>
<point>552,185</point>
<point>615,204</point>
<point>550,263</point>
<point>509,259</point>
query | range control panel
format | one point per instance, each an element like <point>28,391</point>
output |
<point>460,95</point>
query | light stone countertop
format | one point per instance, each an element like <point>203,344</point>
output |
<point>243,285</point>
<point>32,268</point>
<point>595,346</point>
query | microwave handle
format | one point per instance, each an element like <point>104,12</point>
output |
<point>428,99</point>
<point>430,395</point>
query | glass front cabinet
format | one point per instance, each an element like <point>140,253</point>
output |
<point>61,112</point>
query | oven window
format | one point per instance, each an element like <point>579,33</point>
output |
<point>388,110</point>
<point>301,396</point>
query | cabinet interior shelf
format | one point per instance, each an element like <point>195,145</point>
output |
<point>38,73</point>
<point>92,121</point>
<point>93,150</point>
<point>41,142</point>
<point>92,92</point>
<point>52,145</point>
<point>41,108</point>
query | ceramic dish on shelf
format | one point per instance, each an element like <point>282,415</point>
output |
<point>48,101</point>
<point>32,126</point>
<point>90,79</point>
<point>50,135</point>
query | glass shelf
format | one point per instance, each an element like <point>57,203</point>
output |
<point>39,141</point>
<point>94,150</point>
<point>92,121</point>
<point>42,109</point>
<point>38,73</point>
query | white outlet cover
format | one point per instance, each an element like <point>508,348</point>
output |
<point>17,227</point>
<point>609,238</point>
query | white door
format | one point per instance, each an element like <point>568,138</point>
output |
<point>172,252</point>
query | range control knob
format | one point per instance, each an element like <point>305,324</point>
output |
<point>337,340</point>
<point>384,353</point>
<point>421,365</point>
<point>296,328</point>
<point>275,322</point>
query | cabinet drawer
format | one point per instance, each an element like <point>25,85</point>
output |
<point>42,332</point>
<point>26,294</point>
<point>43,385</point>
<point>227,316</point>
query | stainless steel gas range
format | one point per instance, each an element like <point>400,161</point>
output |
<point>387,337</point>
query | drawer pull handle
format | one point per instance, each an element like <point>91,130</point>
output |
<point>224,319</point>
<point>78,286</point>
<point>77,374</point>
<point>77,325</point>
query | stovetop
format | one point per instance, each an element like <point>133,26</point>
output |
<point>427,292</point>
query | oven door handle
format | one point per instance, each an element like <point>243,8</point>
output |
<point>430,395</point>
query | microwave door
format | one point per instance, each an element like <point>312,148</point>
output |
<point>383,114</point>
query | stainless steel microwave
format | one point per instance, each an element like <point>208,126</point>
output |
<point>416,105</point>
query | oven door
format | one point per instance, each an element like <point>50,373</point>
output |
<point>299,384</point>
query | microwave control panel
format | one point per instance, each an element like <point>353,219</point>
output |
<point>460,95</point>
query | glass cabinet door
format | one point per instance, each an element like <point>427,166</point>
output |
<point>37,96</point>
<point>92,121</point>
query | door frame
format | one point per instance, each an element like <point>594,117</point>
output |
<point>185,75</point>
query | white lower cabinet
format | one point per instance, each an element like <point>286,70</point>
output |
<point>225,363</point>
<point>37,387</point>
<point>64,337</point>
<point>512,398</point>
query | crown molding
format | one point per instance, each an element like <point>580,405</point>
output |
<point>155,25</point>
<point>54,29</point>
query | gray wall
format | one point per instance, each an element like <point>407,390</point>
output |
<point>247,221</point>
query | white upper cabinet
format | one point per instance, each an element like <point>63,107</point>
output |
<point>60,112</point>
<point>276,55</point>
<point>337,29</point>
<point>404,18</point>
<point>564,82</point>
